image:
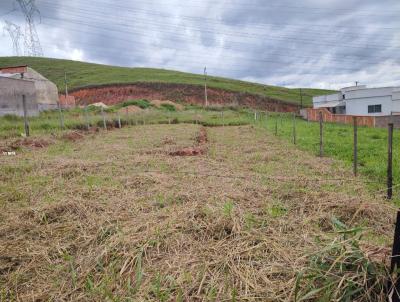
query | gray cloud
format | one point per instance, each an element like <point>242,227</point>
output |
<point>309,44</point>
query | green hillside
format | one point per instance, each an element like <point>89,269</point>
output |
<point>82,74</point>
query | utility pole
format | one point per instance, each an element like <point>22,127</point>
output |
<point>205,85</point>
<point>301,98</point>
<point>66,85</point>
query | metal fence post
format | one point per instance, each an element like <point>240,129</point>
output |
<point>390,162</point>
<point>26,123</point>
<point>321,142</point>
<point>355,147</point>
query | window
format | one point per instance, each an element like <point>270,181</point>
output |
<point>375,109</point>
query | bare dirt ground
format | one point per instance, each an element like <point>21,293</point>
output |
<point>115,217</point>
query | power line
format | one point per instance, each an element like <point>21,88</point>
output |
<point>121,8</point>
<point>236,34</point>
<point>197,56</point>
<point>301,8</point>
<point>203,20</point>
<point>126,30</point>
<point>103,30</point>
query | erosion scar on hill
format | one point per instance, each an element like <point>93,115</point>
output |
<point>189,94</point>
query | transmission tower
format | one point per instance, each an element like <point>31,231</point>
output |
<point>31,37</point>
<point>15,34</point>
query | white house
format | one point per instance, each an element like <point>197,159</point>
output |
<point>360,100</point>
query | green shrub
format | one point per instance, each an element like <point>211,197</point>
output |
<point>144,104</point>
<point>168,107</point>
<point>12,118</point>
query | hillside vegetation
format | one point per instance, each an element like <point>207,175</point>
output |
<point>82,74</point>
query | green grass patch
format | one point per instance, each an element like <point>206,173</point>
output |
<point>81,74</point>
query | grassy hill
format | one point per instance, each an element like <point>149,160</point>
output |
<point>82,74</point>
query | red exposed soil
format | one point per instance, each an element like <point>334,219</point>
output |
<point>190,151</point>
<point>32,143</point>
<point>73,136</point>
<point>199,149</point>
<point>189,94</point>
<point>202,137</point>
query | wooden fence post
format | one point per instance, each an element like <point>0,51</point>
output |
<point>294,129</point>
<point>394,289</point>
<point>321,142</point>
<point>104,118</point>
<point>119,121</point>
<point>355,147</point>
<point>87,118</point>
<point>128,122</point>
<point>276,125</point>
<point>390,162</point>
<point>61,116</point>
<point>26,123</point>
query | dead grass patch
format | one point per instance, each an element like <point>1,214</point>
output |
<point>130,224</point>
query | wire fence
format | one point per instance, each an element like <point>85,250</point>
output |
<point>370,151</point>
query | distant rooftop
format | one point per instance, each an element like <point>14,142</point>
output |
<point>14,69</point>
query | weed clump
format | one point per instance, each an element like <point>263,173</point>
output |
<point>343,271</point>
<point>142,103</point>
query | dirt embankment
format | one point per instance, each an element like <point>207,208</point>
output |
<point>189,94</point>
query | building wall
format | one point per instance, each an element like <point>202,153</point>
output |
<point>327,98</point>
<point>14,69</point>
<point>46,91</point>
<point>359,106</point>
<point>11,91</point>
<point>369,121</point>
<point>383,121</point>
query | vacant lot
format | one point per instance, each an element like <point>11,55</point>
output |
<point>117,217</point>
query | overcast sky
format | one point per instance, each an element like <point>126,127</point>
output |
<point>309,43</point>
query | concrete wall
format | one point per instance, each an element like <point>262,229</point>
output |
<point>383,121</point>
<point>11,91</point>
<point>46,91</point>
<point>313,115</point>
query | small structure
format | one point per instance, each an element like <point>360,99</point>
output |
<point>373,107</point>
<point>11,91</point>
<point>360,100</point>
<point>41,94</point>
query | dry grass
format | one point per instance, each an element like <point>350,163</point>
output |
<point>113,217</point>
